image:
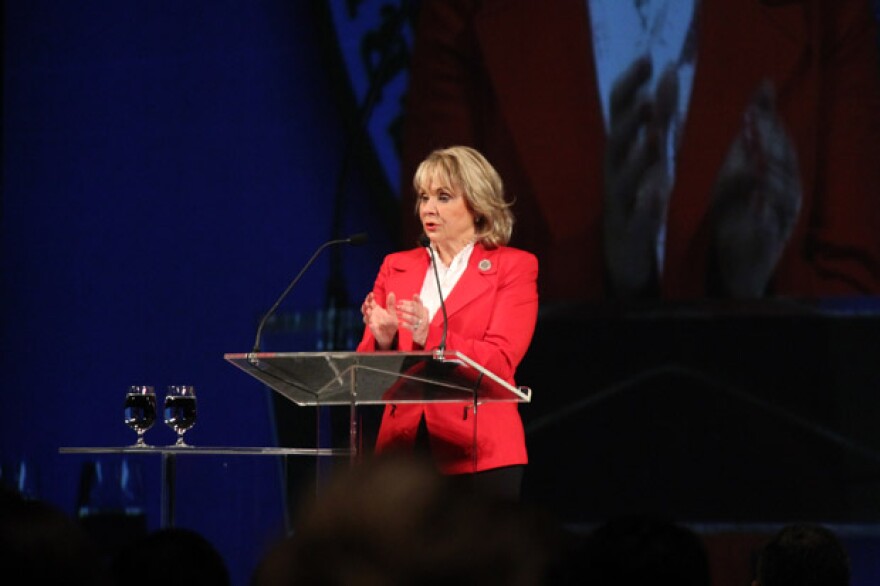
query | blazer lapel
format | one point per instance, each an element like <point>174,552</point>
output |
<point>409,273</point>
<point>476,280</point>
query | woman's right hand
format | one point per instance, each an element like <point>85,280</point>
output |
<point>382,321</point>
<point>637,184</point>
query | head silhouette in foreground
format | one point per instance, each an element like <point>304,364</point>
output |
<point>803,555</point>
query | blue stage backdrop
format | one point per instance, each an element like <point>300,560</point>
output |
<point>168,167</point>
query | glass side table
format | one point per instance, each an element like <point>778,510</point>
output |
<point>169,455</point>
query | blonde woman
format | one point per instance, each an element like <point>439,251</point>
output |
<point>491,298</point>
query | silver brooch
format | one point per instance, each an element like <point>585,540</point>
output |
<point>485,264</point>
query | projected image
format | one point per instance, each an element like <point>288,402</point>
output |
<point>667,150</point>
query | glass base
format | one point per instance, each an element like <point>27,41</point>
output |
<point>140,443</point>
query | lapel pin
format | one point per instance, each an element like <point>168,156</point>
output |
<point>485,264</point>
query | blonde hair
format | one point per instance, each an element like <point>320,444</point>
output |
<point>466,170</point>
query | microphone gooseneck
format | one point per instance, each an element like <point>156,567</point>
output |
<point>355,240</point>
<point>426,242</point>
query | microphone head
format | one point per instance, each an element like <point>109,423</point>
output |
<point>424,240</point>
<point>358,239</point>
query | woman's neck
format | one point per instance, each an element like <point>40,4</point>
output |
<point>448,250</point>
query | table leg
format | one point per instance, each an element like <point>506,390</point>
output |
<point>167,501</point>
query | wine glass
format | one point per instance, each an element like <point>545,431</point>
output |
<point>180,410</point>
<point>140,411</point>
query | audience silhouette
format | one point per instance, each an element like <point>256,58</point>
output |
<point>395,520</point>
<point>642,549</point>
<point>39,544</point>
<point>803,555</point>
<point>172,557</point>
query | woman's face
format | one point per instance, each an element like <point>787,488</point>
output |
<point>444,213</point>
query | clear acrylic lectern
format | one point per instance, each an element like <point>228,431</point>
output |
<point>369,378</point>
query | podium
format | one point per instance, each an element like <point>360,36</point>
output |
<point>350,379</point>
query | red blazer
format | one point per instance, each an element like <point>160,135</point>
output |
<point>492,312</point>
<point>516,79</point>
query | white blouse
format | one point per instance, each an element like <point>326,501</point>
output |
<point>449,276</point>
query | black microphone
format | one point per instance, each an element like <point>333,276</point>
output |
<point>426,242</point>
<point>354,240</point>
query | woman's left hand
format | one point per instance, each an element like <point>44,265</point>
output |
<point>756,199</point>
<point>413,315</point>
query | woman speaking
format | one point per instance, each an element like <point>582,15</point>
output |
<point>491,299</point>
